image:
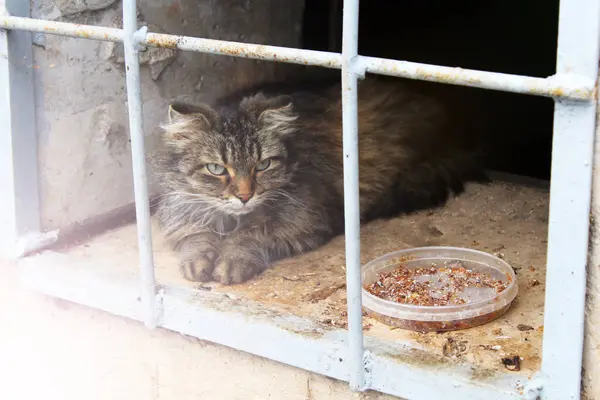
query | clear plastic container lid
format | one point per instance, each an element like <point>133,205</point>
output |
<point>479,301</point>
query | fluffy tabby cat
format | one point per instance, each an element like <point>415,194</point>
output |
<point>259,176</point>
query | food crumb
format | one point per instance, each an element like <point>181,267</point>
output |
<point>534,283</point>
<point>524,328</point>
<point>431,286</point>
<point>453,347</point>
<point>512,363</point>
<point>489,347</point>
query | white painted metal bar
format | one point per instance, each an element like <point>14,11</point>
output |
<point>140,180</point>
<point>20,230</point>
<point>62,28</point>
<point>351,193</point>
<point>563,85</point>
<point>570,195</point>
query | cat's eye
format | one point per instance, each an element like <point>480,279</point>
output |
<point>216,169</point>
<point>263,165</point>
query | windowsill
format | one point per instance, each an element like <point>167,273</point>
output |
<point>305,296</point>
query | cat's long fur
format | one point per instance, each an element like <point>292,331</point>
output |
<point>412,155</point>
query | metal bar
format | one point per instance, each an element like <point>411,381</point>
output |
<point>140,180</point>
<point>564,85</point>
<point>245,50</point>
<point>19,198</point>
<point>62,28</point>
<point>559,86</point>
<point>570,193</point>
<point>351,193</point>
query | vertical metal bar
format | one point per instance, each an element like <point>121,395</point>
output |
<point>19,196</point>
<point>570,194</point>
<point>140,180</point>
<point>351,192</point>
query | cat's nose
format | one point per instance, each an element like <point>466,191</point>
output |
<point>244,197</point>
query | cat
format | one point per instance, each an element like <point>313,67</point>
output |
<point>259,177</point>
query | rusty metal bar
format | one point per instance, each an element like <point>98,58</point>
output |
<point>62,28</point>
<point>561,86</point>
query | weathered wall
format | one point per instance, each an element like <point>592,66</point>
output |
<point>591,351</point>
<point>85,167</point>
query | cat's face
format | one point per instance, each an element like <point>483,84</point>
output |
<point>234,162</point>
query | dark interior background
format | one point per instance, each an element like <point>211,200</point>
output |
<point>509,36</point>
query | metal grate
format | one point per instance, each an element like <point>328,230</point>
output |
<point>573,88</point>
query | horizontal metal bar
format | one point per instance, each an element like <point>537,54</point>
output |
<point>248,326</point>
<point>245,50</point>
<point>560,86</point>
<point>62,28</point>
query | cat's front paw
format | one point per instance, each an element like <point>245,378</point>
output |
<point>237,269</point>
<point>198,270</point>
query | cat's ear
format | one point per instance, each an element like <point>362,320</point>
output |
<point>275,114</point>
<point>187,121</point>
<point>180,112</point>
<point>279,116</point>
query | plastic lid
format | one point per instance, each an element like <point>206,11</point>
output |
<point>485,301</point>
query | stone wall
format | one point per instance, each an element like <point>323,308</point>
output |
<point>591,350</point>
<point>84,151</point>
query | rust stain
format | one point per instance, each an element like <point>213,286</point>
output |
<point>453,77</point>
<point>168,42</point>
<point>558,92</point>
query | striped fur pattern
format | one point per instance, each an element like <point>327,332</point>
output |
<point>258,177</point>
